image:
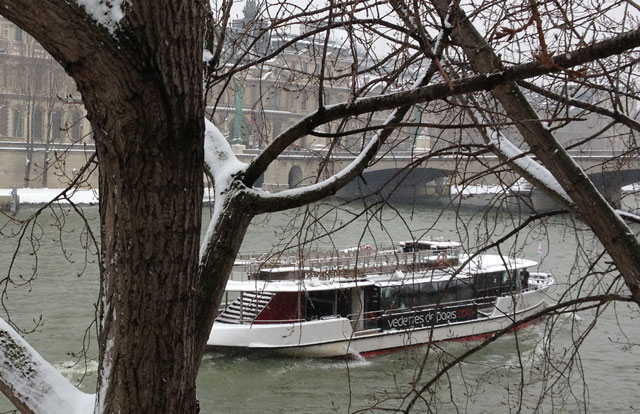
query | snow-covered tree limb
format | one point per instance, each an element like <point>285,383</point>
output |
<point>300,196</point>
<point>67,18</point>
<point>32,384</point>
<point>497,142</point>
<point>634,218</point>
<point>487,81</point>
<point>232,213</point>
<point>528,167</point>
<point>223,166</point>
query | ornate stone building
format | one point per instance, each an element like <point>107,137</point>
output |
<point>43,127</point>
<point>263,100</point>
<point>38,101</point>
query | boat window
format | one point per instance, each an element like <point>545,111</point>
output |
<point>344,302</point>
<point>398,297</point>
<point>372,299</point>
<point>409,247</point>
<point>465,290</point>
<point>448,291</point>
<point>494,283</point>
<point>389,297</point>
<point>277,274</point>
<point>320,304</point>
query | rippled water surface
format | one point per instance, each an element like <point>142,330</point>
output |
<point>63,304</point>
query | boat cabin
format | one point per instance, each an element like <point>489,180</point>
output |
<point>284,295</point>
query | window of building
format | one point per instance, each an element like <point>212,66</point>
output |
<point>18,36</point>
<point>37,79</point>
<point>17,123</point>
<point>289,100</point>
<point>76,129</point>
<point>56,124</point>
<point>36,124</point>
<point>277,128</point>
<point>4,121</point>
<point>5,77</point>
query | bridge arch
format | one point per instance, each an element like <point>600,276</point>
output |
<point>399,184</point>
<point>259,181</point>
<point>295,176</point>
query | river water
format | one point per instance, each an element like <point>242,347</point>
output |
<point>604,376</point>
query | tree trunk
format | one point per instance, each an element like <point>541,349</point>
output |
<point>149,140</point>
<point>150,210</point>
<point>142,87</point>
<point>27,163</point>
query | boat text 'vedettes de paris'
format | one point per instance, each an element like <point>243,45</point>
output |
<point>363,301</point>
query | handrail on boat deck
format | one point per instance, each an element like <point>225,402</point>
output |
<point>355,262</point>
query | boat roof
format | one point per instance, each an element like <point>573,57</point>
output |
<point>431,243</point>
<point>486,263</point>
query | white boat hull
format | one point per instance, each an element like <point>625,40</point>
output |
<point>335,337</point>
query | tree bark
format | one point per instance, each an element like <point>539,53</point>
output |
<point>218,259</point>
<point>142,88</point>
<point>149,140</point>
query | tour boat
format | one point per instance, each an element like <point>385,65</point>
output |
<point>364,301</point>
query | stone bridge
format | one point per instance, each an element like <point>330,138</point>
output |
<point>389,175</point>
<point>393,175</point>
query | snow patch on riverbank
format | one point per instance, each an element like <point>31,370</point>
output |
<point>46,195</point>
<point>40,196</point>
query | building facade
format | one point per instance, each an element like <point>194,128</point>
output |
<point>43,125</point>
<point>38,102</point>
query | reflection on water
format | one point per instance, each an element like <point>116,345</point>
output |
<point>487,382</point>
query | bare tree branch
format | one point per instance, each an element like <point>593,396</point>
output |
<point>489,81</point>
<point>591,107</point>
<point>614,234</point>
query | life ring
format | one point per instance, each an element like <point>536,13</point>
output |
<point>368,247</point>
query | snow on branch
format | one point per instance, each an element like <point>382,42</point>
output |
<point>296,197</point>
<point>428,93</point>
<point>218,155</point>
<point>224,166</point>
<point>527,164</point>
<point>34,385</point>
<point>628,216</point>
<point>107,13</point>
<point>330,184</point>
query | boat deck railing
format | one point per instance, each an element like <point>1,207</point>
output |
<point>350,262</point>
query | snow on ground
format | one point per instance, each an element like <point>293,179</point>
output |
<point>40,196</point>
<point>45,195</point>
